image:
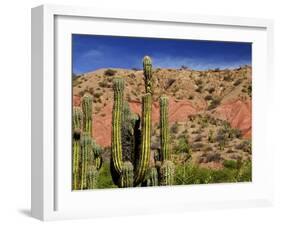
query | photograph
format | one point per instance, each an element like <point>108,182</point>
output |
<point>160,112</point>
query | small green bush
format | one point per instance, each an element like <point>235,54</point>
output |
<point>194,174</point>
<point>110,72</point>
<point>104,179</point>
<point>230,164</point>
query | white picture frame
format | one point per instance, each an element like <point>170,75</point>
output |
<point>52,197</point>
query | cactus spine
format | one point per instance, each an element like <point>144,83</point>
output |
<point>140,166</point>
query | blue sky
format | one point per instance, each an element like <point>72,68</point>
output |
<point>91,52</point>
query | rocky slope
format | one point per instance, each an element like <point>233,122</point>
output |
<point>220,95</point>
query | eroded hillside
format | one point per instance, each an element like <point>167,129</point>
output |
<point>209,111</point>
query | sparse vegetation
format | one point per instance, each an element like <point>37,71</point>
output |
<point>110,72</point>
<point>203,147</point>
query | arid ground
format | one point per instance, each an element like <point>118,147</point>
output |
<point>209,111</point>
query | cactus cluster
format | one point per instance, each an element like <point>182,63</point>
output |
<point>86,153</point>
<point>130,150</point>
<point>130,160</point>
<point>131,140</point>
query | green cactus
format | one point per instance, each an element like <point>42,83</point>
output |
<point>152,178</point>
<point>166,168</point>
<point>86,142</point>
<point>87,101</point>
<point>167,171</point>
<point>125,125</point>
<point>144,155</point>
<point>116,147</point>
<point>76,155</point>
<point>147,70</point>
<point>86,153</point>
<point>127,175</point>
<point>92,174</point>
<point>164,129</point>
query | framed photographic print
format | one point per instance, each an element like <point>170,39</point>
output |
<point>136,112</point>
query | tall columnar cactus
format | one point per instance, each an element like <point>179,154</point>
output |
<point>166,171</point>
<point>164,129</point>
<point>77,125</point>
<point>86,142</point>
<point>86,153</point>
<point>141,163</point>
<point>144,155</point>
<point>87,101</point>
<point>116,149</point>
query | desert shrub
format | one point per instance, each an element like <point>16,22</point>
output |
<point>208,97</point>
<point>199,89</point>
<point>110,72</point>
<point>104,179</point>
<point>169,82</point>
<point>236,133</point>
<point>250,90</point>
<point>237,82</point>
<point>174,127</point>
<point>246,146</point>
<point>231,164</point>
<point>198,82</point>
<point>132,75</point>
<point>183,146</point>
<point>227,77</point>
<point>214,103</point>
<point>198,138</point>
<point>190,97</point>
<point>211,90</point>
<point>197,146</point>
<point>97,95</point>
<point>213,157</point>
<point>194,174</point>
<point>103,84</point>
<point>191,174</point>
<point>81,93</point>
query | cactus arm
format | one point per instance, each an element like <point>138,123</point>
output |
<point>116,149</point>
<point>144,156</point>
<point>164,129</point>
<point>87,101</point>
